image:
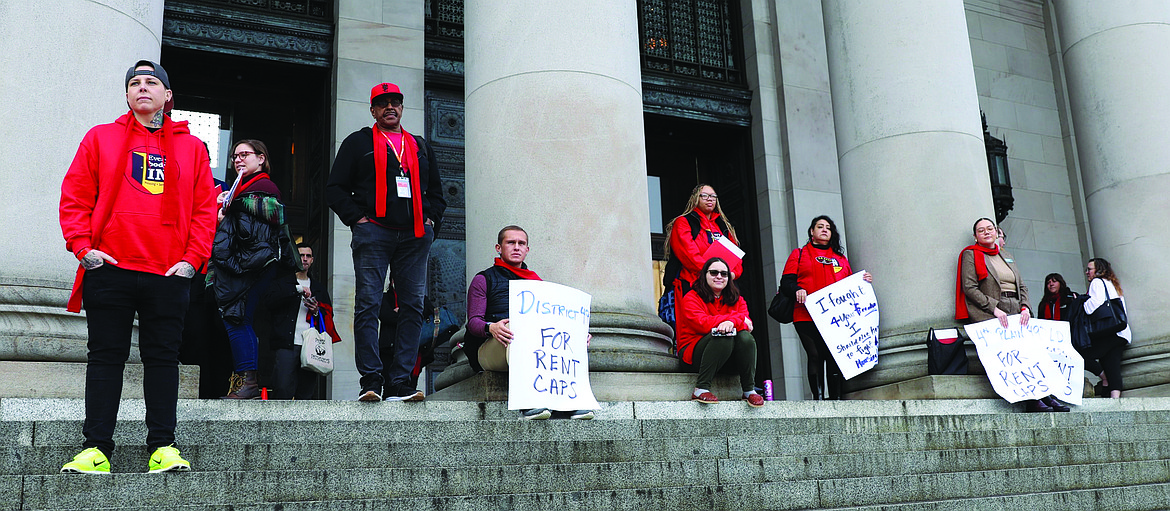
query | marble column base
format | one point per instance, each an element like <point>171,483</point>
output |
<point>67,380</point>
<point>34,324</point>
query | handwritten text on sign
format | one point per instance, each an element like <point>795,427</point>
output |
<point>548,363</point>
<point>1029,362</point>
<point>846,314</point>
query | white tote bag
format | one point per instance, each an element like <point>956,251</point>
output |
<point>316,347</point>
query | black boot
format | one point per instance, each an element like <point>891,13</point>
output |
<point>248,386</point>
<point>1055,405</point>
<point>817,386</point>
<point>835,384</point>
<point>1037,406</point>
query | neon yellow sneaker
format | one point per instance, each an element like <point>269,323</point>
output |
<point>89,461</point>
<point>167,459</point>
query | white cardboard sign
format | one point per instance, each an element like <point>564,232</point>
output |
<point>846,314</point>
<point>1029,362</point>
<point>548,363</point>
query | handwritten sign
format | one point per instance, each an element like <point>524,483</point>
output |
<point>1029,362</point>
<point>548,363</point>
<point>846,314</point>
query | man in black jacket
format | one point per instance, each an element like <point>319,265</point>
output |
<point>385,185</point>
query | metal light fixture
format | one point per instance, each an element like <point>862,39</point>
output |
<point>997,167</point>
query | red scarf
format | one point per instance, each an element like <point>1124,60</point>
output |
<point>252,180</point>
<point>980,274</point>
<point>409,165</point>
<point>523,273</point>
<point>1053,307</point>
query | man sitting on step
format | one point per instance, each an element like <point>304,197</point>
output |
<point>488,334</point>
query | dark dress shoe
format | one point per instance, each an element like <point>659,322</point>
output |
<point>1036,406</point>
<point>1055,404</point>
<point>1101,390</point>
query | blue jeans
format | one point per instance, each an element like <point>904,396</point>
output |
<point>374,249</point>
<point>112,296</point>
<point>242,337</point>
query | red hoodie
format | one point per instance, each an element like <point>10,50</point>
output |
<point>696,319</point>
<point>815,268</point>
<point>137,222</point>
<point>689,251</point>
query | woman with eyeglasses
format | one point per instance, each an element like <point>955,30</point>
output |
<point>817,264</point>
<point>1106,350</point>
<point>714,333</point>
<point>251,246</point>
<point>988,285</point>
<point>700,225</point>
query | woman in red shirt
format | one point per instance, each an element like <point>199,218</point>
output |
<point>691,234</point>
<point>714,331</point>
<point>817,264</point>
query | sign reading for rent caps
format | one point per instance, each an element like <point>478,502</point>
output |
<point>1029,362</point>
<point>846,314</point>
<point>548,362</point>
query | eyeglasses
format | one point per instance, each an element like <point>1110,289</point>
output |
<point>382,103</point>
<point>708,196</point>
<point>242,155</point>
<point>986,230</point>
<point>718,273</point>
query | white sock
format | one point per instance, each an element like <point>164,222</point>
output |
<point>748,393</point>
<point>698,392</point>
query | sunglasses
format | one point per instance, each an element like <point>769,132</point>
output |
<point>718,273</point>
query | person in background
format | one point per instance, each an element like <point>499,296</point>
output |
<point>1057,299</point>
<point>138,211</point>
<point>294,300</point>
<point>252,248</point>
<point>715,334</point>
<point>1104,285</point>
<point>817,264</point>
<point>988,285</point>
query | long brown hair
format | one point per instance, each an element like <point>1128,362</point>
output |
<point>1103,270</point>
<point>692,204</point>
<point>730,294</point>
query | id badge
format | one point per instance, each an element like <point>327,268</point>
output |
<point>403,186</point>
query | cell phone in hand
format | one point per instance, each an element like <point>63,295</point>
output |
<point>717,333</point>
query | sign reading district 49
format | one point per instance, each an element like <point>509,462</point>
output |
<point>1029,362</point>
<point>548,362</point>
<point>846,314</point>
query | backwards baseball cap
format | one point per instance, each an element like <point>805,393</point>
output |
<point>155,70</point>
<point>384,88</point>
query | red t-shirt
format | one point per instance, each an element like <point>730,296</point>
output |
<point>817,268</point>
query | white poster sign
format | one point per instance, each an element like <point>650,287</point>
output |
<point>1029,362</point>
<point>548,362</point>
<point>846,314</point>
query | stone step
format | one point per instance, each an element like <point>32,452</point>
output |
<point>1137,497</point>
<point>869,491</point>
<point>674,498</point>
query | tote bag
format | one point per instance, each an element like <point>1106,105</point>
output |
<point>316,347</point>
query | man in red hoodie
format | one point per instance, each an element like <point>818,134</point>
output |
<point>138,211</point>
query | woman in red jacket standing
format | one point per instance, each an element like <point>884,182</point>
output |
<point>701,224</point>
<point>714,331</point>
<point>817,264</point>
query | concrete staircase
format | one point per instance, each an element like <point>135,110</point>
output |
<point>941,454</point>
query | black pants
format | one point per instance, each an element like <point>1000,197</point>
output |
<point>1105,355</point>
<point>714,354</point>
<point>820,361</point>
<point>111,296</point>
<point>289,379</point>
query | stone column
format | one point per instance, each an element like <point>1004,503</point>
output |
<point>912,161</point>
<point>556,144</point>
<point>59,81</point>
<point>1117,98</point>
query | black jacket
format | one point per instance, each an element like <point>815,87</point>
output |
<point>251,236</point>
<point>283,302</point>
<point>351,188</point>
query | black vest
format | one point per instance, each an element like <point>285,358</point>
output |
<point>497,292</point>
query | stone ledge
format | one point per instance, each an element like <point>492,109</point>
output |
<point>67,380</point>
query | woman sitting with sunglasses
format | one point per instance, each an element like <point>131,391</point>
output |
<point>714,333</point>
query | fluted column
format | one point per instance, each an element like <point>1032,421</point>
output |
<point>555,143</point>
<point>1117,82</point>
<point>912,162</point>
<point>63,73</point>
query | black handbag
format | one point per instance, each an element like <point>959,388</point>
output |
<point>1108,319</point>
<point>784,303</point>
<point>945,356</point>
